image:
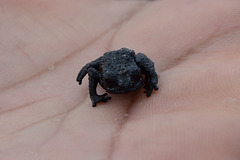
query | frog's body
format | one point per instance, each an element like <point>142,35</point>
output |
<point>119,71</point>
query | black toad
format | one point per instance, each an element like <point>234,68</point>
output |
<point>117,72</point>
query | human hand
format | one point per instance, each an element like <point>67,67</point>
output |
<point>44,114</point>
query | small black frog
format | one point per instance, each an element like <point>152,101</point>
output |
<point>119,71</point>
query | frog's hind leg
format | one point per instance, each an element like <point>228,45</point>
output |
<point>93,81</point>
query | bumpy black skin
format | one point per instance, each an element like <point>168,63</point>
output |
<point>117,72</point>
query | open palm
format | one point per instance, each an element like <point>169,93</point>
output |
<point>46,115</point>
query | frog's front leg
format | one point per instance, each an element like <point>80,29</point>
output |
<point>84,70</point>
<point>147,68</point>
<point>93,81</point>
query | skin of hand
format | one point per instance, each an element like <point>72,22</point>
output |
<point>45,114</point>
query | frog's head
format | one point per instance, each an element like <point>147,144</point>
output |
<point>123,80</point>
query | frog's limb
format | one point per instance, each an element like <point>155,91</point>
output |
<point>147,68</point>
<point>95,64</point>
<point>93,81</point>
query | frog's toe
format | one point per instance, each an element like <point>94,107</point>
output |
<point>99,98</point>
<point>149,88</point>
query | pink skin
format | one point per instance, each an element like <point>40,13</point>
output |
<point>45,114</point>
